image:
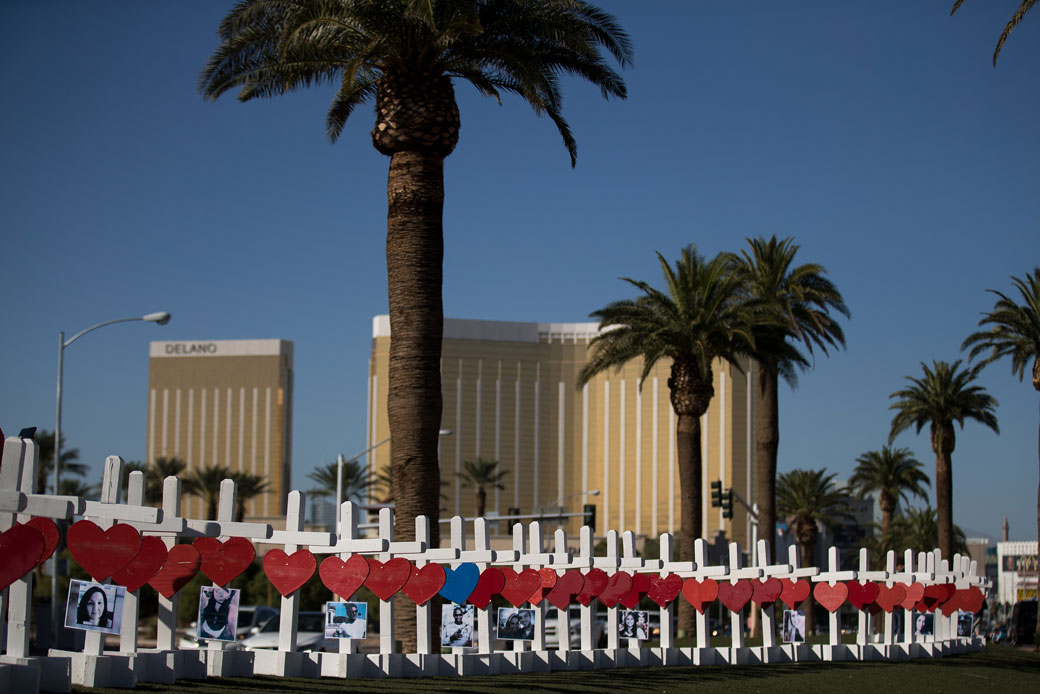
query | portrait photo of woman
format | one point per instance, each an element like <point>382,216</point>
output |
<point>95,607</point>
<point>634,625</point>
<point>218,613</point>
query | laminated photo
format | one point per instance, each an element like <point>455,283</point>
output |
<point>346,620</point>
<point>95,607</point>
<point>218,613</point>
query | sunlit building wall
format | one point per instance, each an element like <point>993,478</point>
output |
<point>510,395</point>
<point>228,403</point>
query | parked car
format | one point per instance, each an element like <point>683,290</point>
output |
<point>599,629</point>
<point>1022,627</point>
<point>310,635</point>
<point>251,618</point>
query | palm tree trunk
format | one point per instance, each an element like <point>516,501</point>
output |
<point>481,501</point>
<point>688,457</point>
<point>943,444</point>
<point>414,261</point>
<point>767,442</point>
<point>888,506</point>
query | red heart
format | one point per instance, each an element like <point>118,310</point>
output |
<point>490,583</point>
<point>567,585</point>
<point>664,589</point>
<point>385,579</point>
<point>287,573</point>
<point>889,597</point>
<point>344,577</point>
<point>700,593</point>
<point>914,592</point>
<point>521,586</point>
<point>953,603</point>
<point>182,563</point>
<point>424,583</point>
<point>933,595</point>
<point>548,578</point>
<point>794,593</point>
<point>221,562</point>
<point>766,592</point>
<point>640,584</point>
<point>861,594</point>
<point>973,599</point>
<point>145,565</point>
<point>618,584</point>
<point>21,547</point>
<point>102,552</point>
<point>50,535</point>
<point>595,582</point>
<point>831,597</point>
<point>735,595</point>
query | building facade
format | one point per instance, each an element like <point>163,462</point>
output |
<point>227,403</point>
<point>510,395</point>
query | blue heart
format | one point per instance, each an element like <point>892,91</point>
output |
<point>459,583</point>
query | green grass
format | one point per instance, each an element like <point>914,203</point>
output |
<point>998,668</point>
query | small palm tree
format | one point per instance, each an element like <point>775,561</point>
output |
<point>155,478</point>
<point>69,460</point>
<point>809,499</point>
<point>944,396</point>
<point>356,480</point>
<point>699,318</point>
<point>72,487</point>
<point>795,310</point>
<point>918,529</point>
<point>893,473</point>
<point>206,483</point>
<point>1013,330</point>
<point>1016,18</point>
<point>247,488</point>
<point>481,474</point>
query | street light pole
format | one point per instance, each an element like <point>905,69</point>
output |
<point>159,317</point>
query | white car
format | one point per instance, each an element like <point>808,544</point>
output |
<point>599,629</point>
<point>250,619</point>
<point>310,635</point>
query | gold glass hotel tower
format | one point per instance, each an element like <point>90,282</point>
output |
<point>228,403</point>
<point>510,395</point>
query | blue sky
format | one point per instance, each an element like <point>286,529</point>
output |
<point>878,135</point>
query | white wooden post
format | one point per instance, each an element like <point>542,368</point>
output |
<point>94,642</point>
<point>738,654</point>
<point>612,612</point>
<point>834,649</point>
<point>348,528</point>
<point>797,651</point>
<point>632,562</point>
<point>770,651</point>
<point>166,627</point>
<point>667,626</point>
<point>386,607</point>
<point>131,604</point>
<point>864,635</point>
<point>22,475</point>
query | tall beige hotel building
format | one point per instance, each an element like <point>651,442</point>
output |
<point>228,403</point>
<point>510,395</point>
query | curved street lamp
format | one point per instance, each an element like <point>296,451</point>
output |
<point>159,317</point>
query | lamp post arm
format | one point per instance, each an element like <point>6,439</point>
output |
<point>81,333</point>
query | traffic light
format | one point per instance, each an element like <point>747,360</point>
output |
<point>716,493</point>
<point>727,504</point>
<point>589,510</point>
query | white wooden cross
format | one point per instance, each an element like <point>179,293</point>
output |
<point>768,613</point>
<point>563,561</point>
<point>292,537</point>
<point>865,621</point>
<point>634,564</point>
<point>944,628</point>
<point>832,576</point>
<point>737,572</point>
<point>537,559</point>
<point>586,551</point>
<point>701,570</point>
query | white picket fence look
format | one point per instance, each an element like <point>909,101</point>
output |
<point>95,667</point>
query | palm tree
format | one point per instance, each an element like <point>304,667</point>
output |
<point>206,483</point>
<point>1020,13</point>
<point>1013,330</point>
<point>69,459</point>
<point>795,310</point>
<point>404,55</point>
<point>155,478</point>
<point>809,499</point>
<point>73,487</point>
<point>918,529</point>
<point>481,474</point>
<point>247,488</point>
<point>893,473</point>
<point>942,397</point>
<point>700,318</point>
<point>356,480</point>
